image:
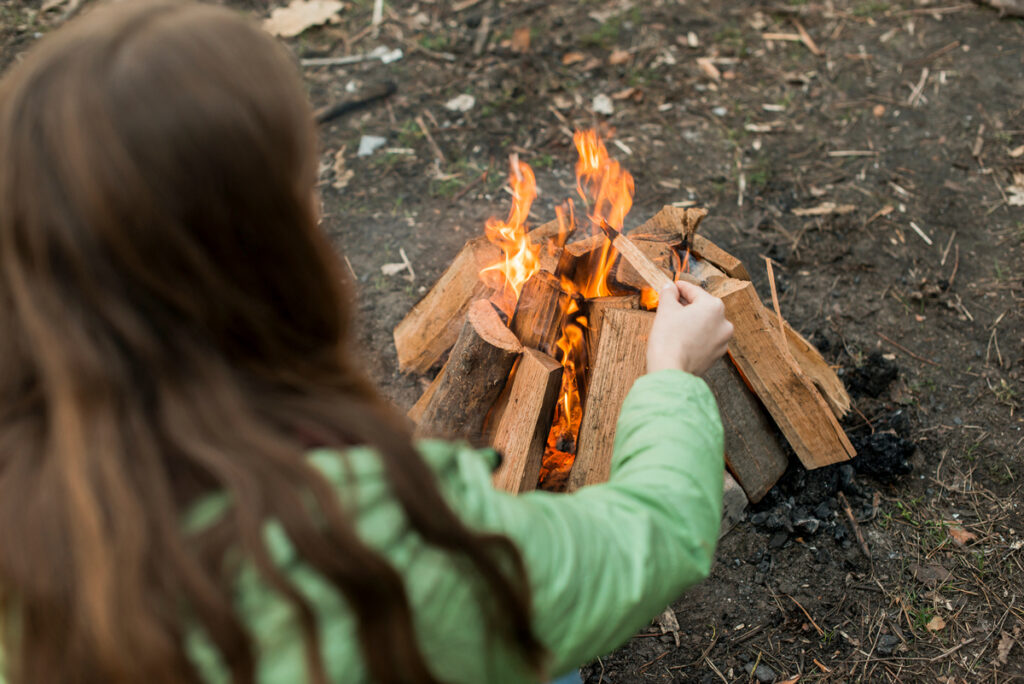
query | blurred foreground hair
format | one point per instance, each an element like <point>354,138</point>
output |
<point>173,323</point>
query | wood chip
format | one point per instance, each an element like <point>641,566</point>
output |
<point>1017,152</point>
<point>521,39</point>
<point>825,209</point>
<point>1006,643</point>
<point>669,624</point>
<point>570,58</point>
<point>788,37</point>
<point>709,69</point>
<point>936,624</point>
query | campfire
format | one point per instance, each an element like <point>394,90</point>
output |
<point>545,331</point>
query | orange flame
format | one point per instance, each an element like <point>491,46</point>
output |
<point>607,192</point>
<point>521,255</point>
<point>610,189</point>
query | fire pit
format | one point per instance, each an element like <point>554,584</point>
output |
<point>546,331</point>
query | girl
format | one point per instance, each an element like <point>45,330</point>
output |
<point>196,482</point>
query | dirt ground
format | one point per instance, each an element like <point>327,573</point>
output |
<point>910,120</point>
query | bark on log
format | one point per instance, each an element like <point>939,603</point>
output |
<point>540,312</point>
<point>433,325</point>
<point>522,428</point>
<point>473,377</point>
<point>621,359</point>
<point>752,450</point>
<point>793,401</point>
<point>595,310</point>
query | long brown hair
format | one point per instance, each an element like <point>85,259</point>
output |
<point>173,323</point>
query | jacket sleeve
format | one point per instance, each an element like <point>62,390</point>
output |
<point>606,559</point>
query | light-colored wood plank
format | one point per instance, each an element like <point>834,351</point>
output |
<point>596,309</point>
<point>621,359</point>
<point>710,252</point>
<point>793,401</point>
<point>540,312</point>
<point>522,429</point>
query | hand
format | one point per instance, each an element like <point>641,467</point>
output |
<point>689,335</point>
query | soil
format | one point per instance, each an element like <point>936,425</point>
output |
<point>911,116</point>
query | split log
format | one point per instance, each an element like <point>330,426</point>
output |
<point>734,504</point>
<point>710,252</point>
<point>793,401</point>
<point>672,221</point>
<point>595,310</point>
<point>652,274</point>
<point>473,377</point>
<point>540,312</point>
<point>752,450</point>
<point>660,253</point>
<point>433,325</point>
<point>621,359</point>
<point>521,430</point>
<point>819,371</point>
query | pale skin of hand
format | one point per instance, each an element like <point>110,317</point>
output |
<point>690,331</point>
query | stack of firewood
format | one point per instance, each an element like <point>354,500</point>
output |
<point>502,377</point>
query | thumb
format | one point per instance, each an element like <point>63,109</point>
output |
<point>689,292</point>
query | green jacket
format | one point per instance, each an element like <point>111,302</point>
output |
<point>602,562</point>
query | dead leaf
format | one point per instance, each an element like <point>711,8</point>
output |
<point>392,269</point>
<point>570,58</point>
<point>619,57</point>
<point>709,68</point>
<point>625,94</point>
<point>1017,152</point>
<point>1016,197</point>
<point>342,175</point>
<point>936,624</point>
<point>521,39</point>
<point>794,680</point>
<point>669,624</point>
<point>1005,646</point>
<point>960,536</point>
<point>931,575</point>
<point>824,209</point>
<point>300,15</point>
<point>561,102</point>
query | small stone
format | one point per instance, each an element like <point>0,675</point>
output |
<point>759,518</point>
<point>368,144</point>
<point>460,103</point>
<point>778,540</point>
<point>719,111</point>
<point>823,511</point>
<point>807,525</point>
<point>887,644</point>
<point>602,104</point>
<point>763,673</point>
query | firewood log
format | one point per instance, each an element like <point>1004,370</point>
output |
<point>707,250</point>
<point>595,310</point>
<point>540,312</point>
<point>793,401</point>
<point>752,450</point>
<point>473,377</point>
<point>433,325</point>
<point>521,431</point>
<point>621,359</point>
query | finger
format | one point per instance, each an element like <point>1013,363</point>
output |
<point>668,296</point>
<point>689,292</point>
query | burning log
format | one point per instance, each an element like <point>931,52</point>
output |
<point>596,309</point>
<point>752,450</point>
<point>621,359</point>
<point>795,404</point>
<point>649,271</point>
<point>470,382</point>
<point>540,312</point>
<point>433,325</point>
<point>522,428</point>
